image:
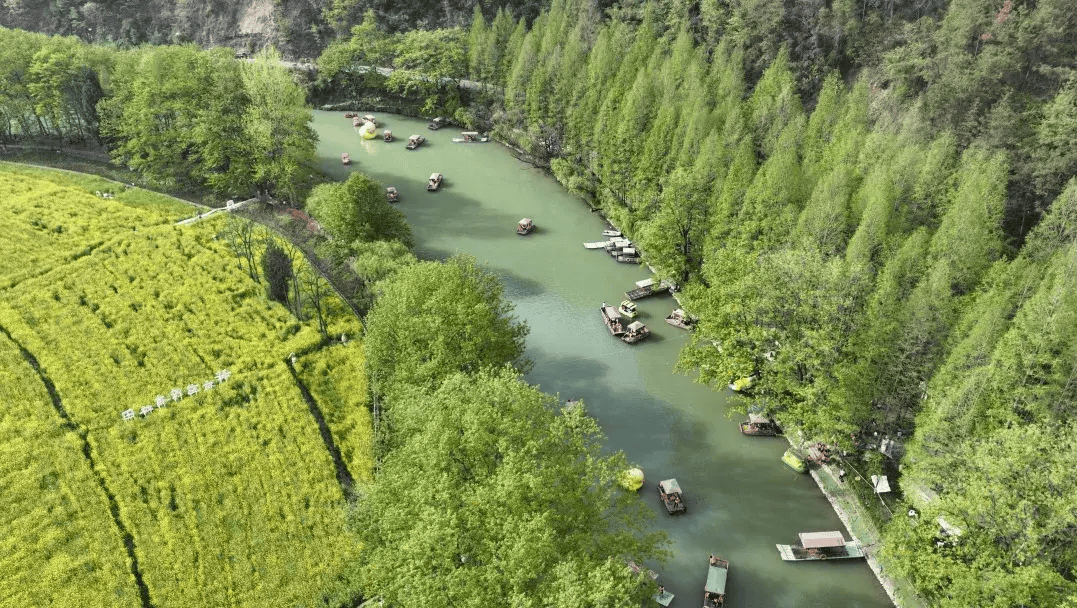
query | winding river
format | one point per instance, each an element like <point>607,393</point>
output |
<point>741,498</point>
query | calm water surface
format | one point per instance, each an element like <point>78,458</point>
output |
<point>741,499</point>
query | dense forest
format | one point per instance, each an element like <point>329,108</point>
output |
<point>870,206</point>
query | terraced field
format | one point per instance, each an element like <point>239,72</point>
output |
<point>216,488</point>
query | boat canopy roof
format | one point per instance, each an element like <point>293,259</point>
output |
<point>645,283</point>
<point>628,251</point>
<point>526,221</point>
<point>413,137</point>
<point>435,175</point>
<point>471,133</point>
<point>816,540</point>
<point>628,305</point>
<point>757,418</point>
<point>716,579</point>
<point>636,326</point>
<point>391,189</point>
<point>670,485</point>
<point>611,312</point>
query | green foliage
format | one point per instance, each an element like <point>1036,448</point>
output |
<point>497,498</point>
<point>277,269</point>
<point>435,319</point>
<point>357,210</point>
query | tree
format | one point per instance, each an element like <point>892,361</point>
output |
<point>277,268</point>
<point>674,238</point>
<point>434,319</point>
<point>491,497</point>
<point>357,210</point>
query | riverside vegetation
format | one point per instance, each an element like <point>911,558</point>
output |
<point>869,206</point>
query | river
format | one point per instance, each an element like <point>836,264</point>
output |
<point>741,498</point>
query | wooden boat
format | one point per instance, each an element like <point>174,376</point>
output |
<point>628,309</point>
<point>613,320</point>
<point>632,479</point>
<point>525,226</point>
<point>678,318</point>
<point>595,245</point>
<point>758,425</point>
<point>628,255</point>
<point>614,246</point>
<point>370,118</point>
<point>820,545</point>
<point>611,233</point>
<point>345,159</point>
<point>670,493</point>
<point>392,195</point>
<point>435,182</point>
<point>387,135</point>
<point>350,115</point>
<point>437,123</point>
<point>714,590</point>
<point>647,287</point>
<point>795,462</point>
<point>470,137</point>
<point>415,141</point>
<point>635,332</point>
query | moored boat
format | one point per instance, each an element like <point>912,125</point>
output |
<point>470,137</point>
<point>821,545</point>
<point>345,159</point>
<point>628,255</point>
<point>647,287</point>
<point>525,226</point>
<point>435,182</point>
<point>611,233</point>
<point>392,195</point>
<point>628,309</point>
<point>635,332</point>
<point>714,590</point>
<point>678,318</point>
<point>613,320</point>
<point>794,461</point>
<point>415,141</point>
<point>759,425</point>
<point>437,123</point>
<point>672,497</point>
<point>350,115</point>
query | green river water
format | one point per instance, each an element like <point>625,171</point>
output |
<point>741,498</point>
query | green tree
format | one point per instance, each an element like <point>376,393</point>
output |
<point>277,270</point>
<point>357,210</point>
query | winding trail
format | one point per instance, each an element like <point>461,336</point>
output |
<point>87,452</point>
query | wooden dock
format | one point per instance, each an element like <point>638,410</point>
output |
<point>595,245</point>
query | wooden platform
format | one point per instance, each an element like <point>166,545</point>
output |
<point>792,553</point>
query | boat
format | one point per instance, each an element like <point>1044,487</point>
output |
<point>820,545</point>
<point>613,320</point>
<point>437,123</point>
<point>678,318</point>
<point>370,118</point>
<point>345,159</point>
<point>415,141</point>
<point>628,255</point>
<point>615,245</point>
<point>435,182</point>
<point>350,115</point>
<point>670,493</point>
<point>387,135</point>
<point>357,122</point>
<point>470,137</point>
<point>628,309</point>
<point>525,226</point>
<point>742,385</point>
<point>611,233</point>
<point>632,479</point>
<point>636,331</point>
<point>595,245</point>
<point>392,195</point>
<point>795,462</point>
<point>714,590</point>
<point>647,287</point>
<point>758,425</point>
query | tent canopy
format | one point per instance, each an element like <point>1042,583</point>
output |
<point>818,540</point>
<point>716,579</point>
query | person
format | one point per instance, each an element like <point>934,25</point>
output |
<point>661,590</point>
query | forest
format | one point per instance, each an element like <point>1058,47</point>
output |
<point>869,206</point>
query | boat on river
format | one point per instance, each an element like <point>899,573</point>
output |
<point>635,332</point>
<point>370,118</point>
<point>628,309</point>
<point>795,461</point>
<point>616,245</point>
<point>345,159</point>
<point>435,182</point>
<point>759,425</point>
<point>525,226</point>
<point>415,141</point>
<point>350,115</point>
<point>628,255</point>
<point>672,497</point>
<point>714,589</point>
<point>357,122</point>
<point>595,245</point>
<point>470,137</point>
<point>613,320</point>
<point>387,135</point>
<point>611,233</point>
<point>392,195</point>
<point>821,545</point>
<point>678,318</point>
<point>647,287</point>
<point>437,123</point>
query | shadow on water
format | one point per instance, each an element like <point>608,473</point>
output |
<point>741,498</point>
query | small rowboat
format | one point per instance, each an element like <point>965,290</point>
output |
<point>345,159</point>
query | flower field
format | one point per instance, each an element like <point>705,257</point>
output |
<point>229,493</point>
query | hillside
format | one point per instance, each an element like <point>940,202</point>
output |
<point>151,370</point>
